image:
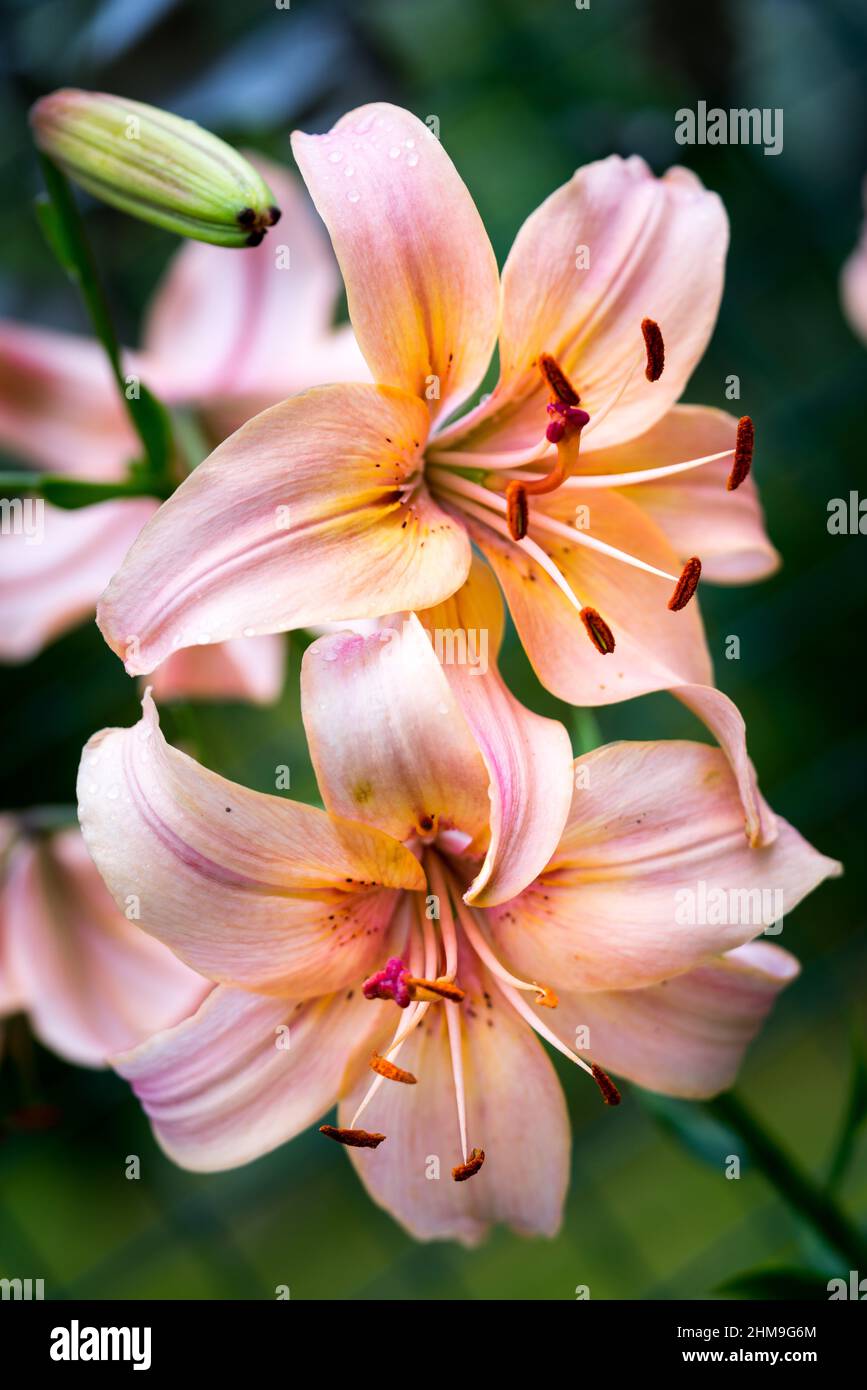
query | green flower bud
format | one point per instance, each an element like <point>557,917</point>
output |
<point>155,166</point>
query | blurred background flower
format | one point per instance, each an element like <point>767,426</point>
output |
<point>523,93</point>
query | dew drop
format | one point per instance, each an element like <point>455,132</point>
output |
<point>335,156</point>
<point>349,170</point>
<point>412,160</point>
<point>394,152</point>
<point>409,144</point>
<point>353,195</point>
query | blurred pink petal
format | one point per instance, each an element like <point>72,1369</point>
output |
<point>89,979</point>
<point>853,282</point>
<point>247,668</point>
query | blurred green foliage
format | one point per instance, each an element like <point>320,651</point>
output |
<point>524,93</point>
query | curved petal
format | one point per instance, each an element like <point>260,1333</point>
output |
<point>52,582</point>
<point>421,277</point>
<point>252,341</point>
<point>59,406</point>
<point>247,668</point>
<point>653,875</point>
<point>655,649</point>
<point>656,249</point>
<point>515,1113</point>
<point>299,518</point>
<point>686,1036</point>
<point>853,282</point>
<point>388,741</point>
<point>247,1073</point>
<point>91,980</point>
<point>249,889</point>
<point>693,509</point>
<point>528,758</point>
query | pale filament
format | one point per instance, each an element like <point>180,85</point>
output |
<point>486,955</point>
<point>544,561</point>
<point>540,521</point>
<point>579,481</point>
<point>523,1008</point>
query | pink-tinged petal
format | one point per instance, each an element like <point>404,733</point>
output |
<point>267,333</point>
<point>299,518</point>
<point>528,758</point>
<point>853,283</point>
<point>51,579</point>
<point>421,277</point>
<point>515,1113</point>
<point>725,721</point>
<point>656,250</point>
<point>388,741</point>
<point>248,1072</point>
<point>694,509</point>
<point>653,875</point>
<point>91,981</point>
<point>686,1036</point>
<point>249,889</point>
<point>655,649</point>
<point>59,405</point>
<point>247,668</point>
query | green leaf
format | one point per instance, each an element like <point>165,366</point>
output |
<point>783,1283</point>
<point>702,1134</point>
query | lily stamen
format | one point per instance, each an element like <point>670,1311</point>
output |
<point>744,444</point>
<point>391,1072</point>
<point>655,349</point>
<point>686,585</point>
<point>352,1138</point>
<point>472,1165</point>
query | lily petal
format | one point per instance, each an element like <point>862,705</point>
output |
<point>50,582</point>
<point>298,518</point>
<point>59,406</point>
<point>249,889</point>
<point>528,758</point>
<point>421,277</point>
<point>247,1072</point>
<point>656,249</point>
<point>686,1036</point>
<point>248,668</point>
<point>515,1113</point>
<point>693,509</point>
<point>401,756</point>
<point>653,876</point>
<point>90,980</point>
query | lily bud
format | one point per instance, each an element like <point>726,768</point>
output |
<point>154,165</point>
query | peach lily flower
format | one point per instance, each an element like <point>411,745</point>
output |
<point>384,496</point>
<point>403,950</point>
<point>228,333</point>
<point>90,981</point>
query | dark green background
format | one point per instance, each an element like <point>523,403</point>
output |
<point>525,91</point>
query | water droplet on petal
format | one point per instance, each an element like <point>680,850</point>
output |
<point>353,195</point>
<point>412,160</point>
<point>394,152</point>
<point>349,170</point>
<point>409,144</point>
<point>335,156</point>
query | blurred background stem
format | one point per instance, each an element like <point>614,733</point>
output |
<point>805,1197</point>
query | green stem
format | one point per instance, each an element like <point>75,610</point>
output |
<point>808,1200</point>
<point>64,228</point>
<point>66,492</point>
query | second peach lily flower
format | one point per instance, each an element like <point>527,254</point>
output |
<point>383,496</point>
<point>546,881</point>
